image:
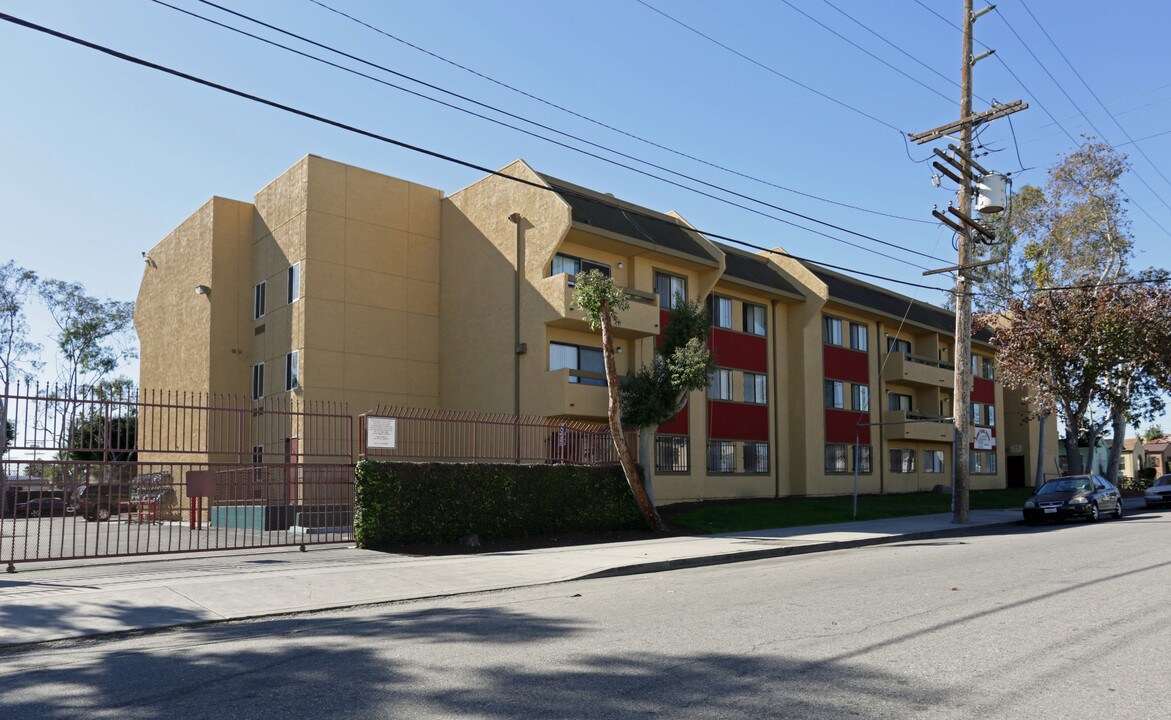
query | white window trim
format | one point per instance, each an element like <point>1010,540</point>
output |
<point>258,381</point>
<point>293,370</point>
<point>259,300</point>
<point>293,283</point>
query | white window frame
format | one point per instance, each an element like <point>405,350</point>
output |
<point>721,312</point>
<point>293,370</point>
<point>259,292</point>
<point>719,385</point>
<point>293,283</point>
<point>836,389</point>
<point>258,381</point>
<point>758,382</point>
<point>676,286</point>
<point>933,461</point>
<point>831,330</point>
<point>860,397</point>
<point>751,311</point>
<point>859,337</point>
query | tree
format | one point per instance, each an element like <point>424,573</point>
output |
<point>1152,433</point>
<point>1105,345</point>
<point>93,336</point>
<point>601,299</point>
<point>658,392</point>
<point>16,351</point>
<point>1072,231</point>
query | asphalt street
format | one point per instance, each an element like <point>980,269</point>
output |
<point>1067,621</point>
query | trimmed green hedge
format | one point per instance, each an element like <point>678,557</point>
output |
<point>402,503</point>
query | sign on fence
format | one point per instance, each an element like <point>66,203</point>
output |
<point>380,432</point>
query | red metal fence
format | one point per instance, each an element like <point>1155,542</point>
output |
<point>398,433</point>
<point>139,472</point>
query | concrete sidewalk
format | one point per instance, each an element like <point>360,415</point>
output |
<point>49,601</point>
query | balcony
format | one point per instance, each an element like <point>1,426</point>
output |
<point>919,427</point>
<point>641,319</point>
<point>917,370</point>
<point>556,395</point>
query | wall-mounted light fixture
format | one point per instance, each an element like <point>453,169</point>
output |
<point>202,289</point>
<point>619,266</point>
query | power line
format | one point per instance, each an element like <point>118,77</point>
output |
<point>827,28</point>
<point>1148,137</point>
<point>554,130</point>
<point>772,70</point>
<point>607,126</point>
<point>1045,110</point>
<point>1100,103</point>
<point>1101,134</point>
<point>418,149</point>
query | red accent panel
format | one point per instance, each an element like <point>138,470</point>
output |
<point>737,421</point>
<point>741,351</point>
<point>676,425</point>
<point>841,426</point>
<point>983,390</point>
<point>845,364</point>
<point>664,318</point>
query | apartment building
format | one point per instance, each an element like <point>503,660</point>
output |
<point>341,284</point>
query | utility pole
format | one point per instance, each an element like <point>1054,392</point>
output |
<point>968,231</point>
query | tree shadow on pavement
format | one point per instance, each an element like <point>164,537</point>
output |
<point>487,665</point>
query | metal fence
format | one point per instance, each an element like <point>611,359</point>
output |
<point>416,434</point>
<point>92,474</point>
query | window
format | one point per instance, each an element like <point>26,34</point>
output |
<point>755,457</point>
<point>754,319</point>
<point>990,415</point>
<point>292,371</point>
<point>897,345</point>
<point>670,289</point>
<point>831,331</point>
<point>258,301</point>
<point>862,455</point>
<point>898,401</point>
<point>859,337</point>
<point>902,460</point>
<point>977,414</point>
<point>755,388</point>
<point>257,454</point>
<point>720,309</point>
<point>571,265</point>
<point>932,461</point>
<point>833,394</point>
<point>989,368</point>
<point>835,458</point>
<point>575,357</point>
<point>975,366</point>
<point>721,456</point>
<point>719,385</point>
<point>294,283</point>
<point>671,453</point>
<point>258,381</point>
<point>982,462</point>
<point>860,398</point>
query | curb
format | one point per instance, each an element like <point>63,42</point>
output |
<point>766,553</point>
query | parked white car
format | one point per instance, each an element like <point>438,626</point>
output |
<point>1159,493</point>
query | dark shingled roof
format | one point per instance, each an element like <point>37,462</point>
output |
<point>601,213</point>
<point>740,265</point>
<point>866,296</point>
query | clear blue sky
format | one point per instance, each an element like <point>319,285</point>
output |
<point>101,158</point>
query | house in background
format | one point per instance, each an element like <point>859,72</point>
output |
<point>1133,458</point>
<point>339,284</point>
<point>1158,454</point>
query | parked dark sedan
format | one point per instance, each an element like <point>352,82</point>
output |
<point>42,507</point>
<point>1076,496</point>
<point>1159,493</point>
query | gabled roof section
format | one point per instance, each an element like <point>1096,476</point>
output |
<point>870,297</point>
<point>756,271</point>
<point>605,212</point>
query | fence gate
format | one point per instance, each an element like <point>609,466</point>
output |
<point>88,475</point>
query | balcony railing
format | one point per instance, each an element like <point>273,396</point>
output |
<point>918,370</point>
<point>639,320</point>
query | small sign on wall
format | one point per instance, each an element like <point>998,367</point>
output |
<point>984,439</point>
<point>1015,449</point>
<point>381,432</point>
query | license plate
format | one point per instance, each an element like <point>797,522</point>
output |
<point>1050,510</point>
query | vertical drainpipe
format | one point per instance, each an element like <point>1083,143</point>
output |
<point>518,347</point>
<point>881,396</point>
<point>776,408</point>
